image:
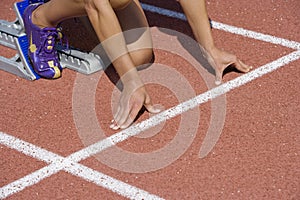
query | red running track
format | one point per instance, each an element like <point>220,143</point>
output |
<point>256,156</point>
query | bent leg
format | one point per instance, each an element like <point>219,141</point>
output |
<point>129,16</point>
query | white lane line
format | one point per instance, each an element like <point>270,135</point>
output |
<point>58,163</point>
<point>182,107</point>
<point>70,164</point>
<point>255,35</point>
<point>228,28</point>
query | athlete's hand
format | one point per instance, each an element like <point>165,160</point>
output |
<point>133,97</point>
<point>220,60</point>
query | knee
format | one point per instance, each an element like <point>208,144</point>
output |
<point>142,58</point>
<point>119,4</point>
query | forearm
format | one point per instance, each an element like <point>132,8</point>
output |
<point>196,13</point>
<point>109,32</point>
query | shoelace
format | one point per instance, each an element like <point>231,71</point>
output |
<point>50,37</point>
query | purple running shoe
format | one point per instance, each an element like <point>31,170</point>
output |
<point>41,51</point>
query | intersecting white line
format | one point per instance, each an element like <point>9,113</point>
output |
<point>70,164</point>
<point>58,163</point>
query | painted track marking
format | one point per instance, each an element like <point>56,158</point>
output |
<point>227,28</point>
<point>70,163</point>
<point>58,163</point>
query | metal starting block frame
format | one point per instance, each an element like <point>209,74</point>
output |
<point>12,35</point>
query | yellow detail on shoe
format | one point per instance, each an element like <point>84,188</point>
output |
<point>32,46</point>
<point>57,73</point>
<point>60,35</point>
<point>51,63</point>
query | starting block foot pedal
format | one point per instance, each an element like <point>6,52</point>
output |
<point>19,64</point>
<point>22,47</point>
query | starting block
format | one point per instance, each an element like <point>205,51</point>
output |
<point>12,35</point>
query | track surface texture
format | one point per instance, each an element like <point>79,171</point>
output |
<point>247,128</point>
